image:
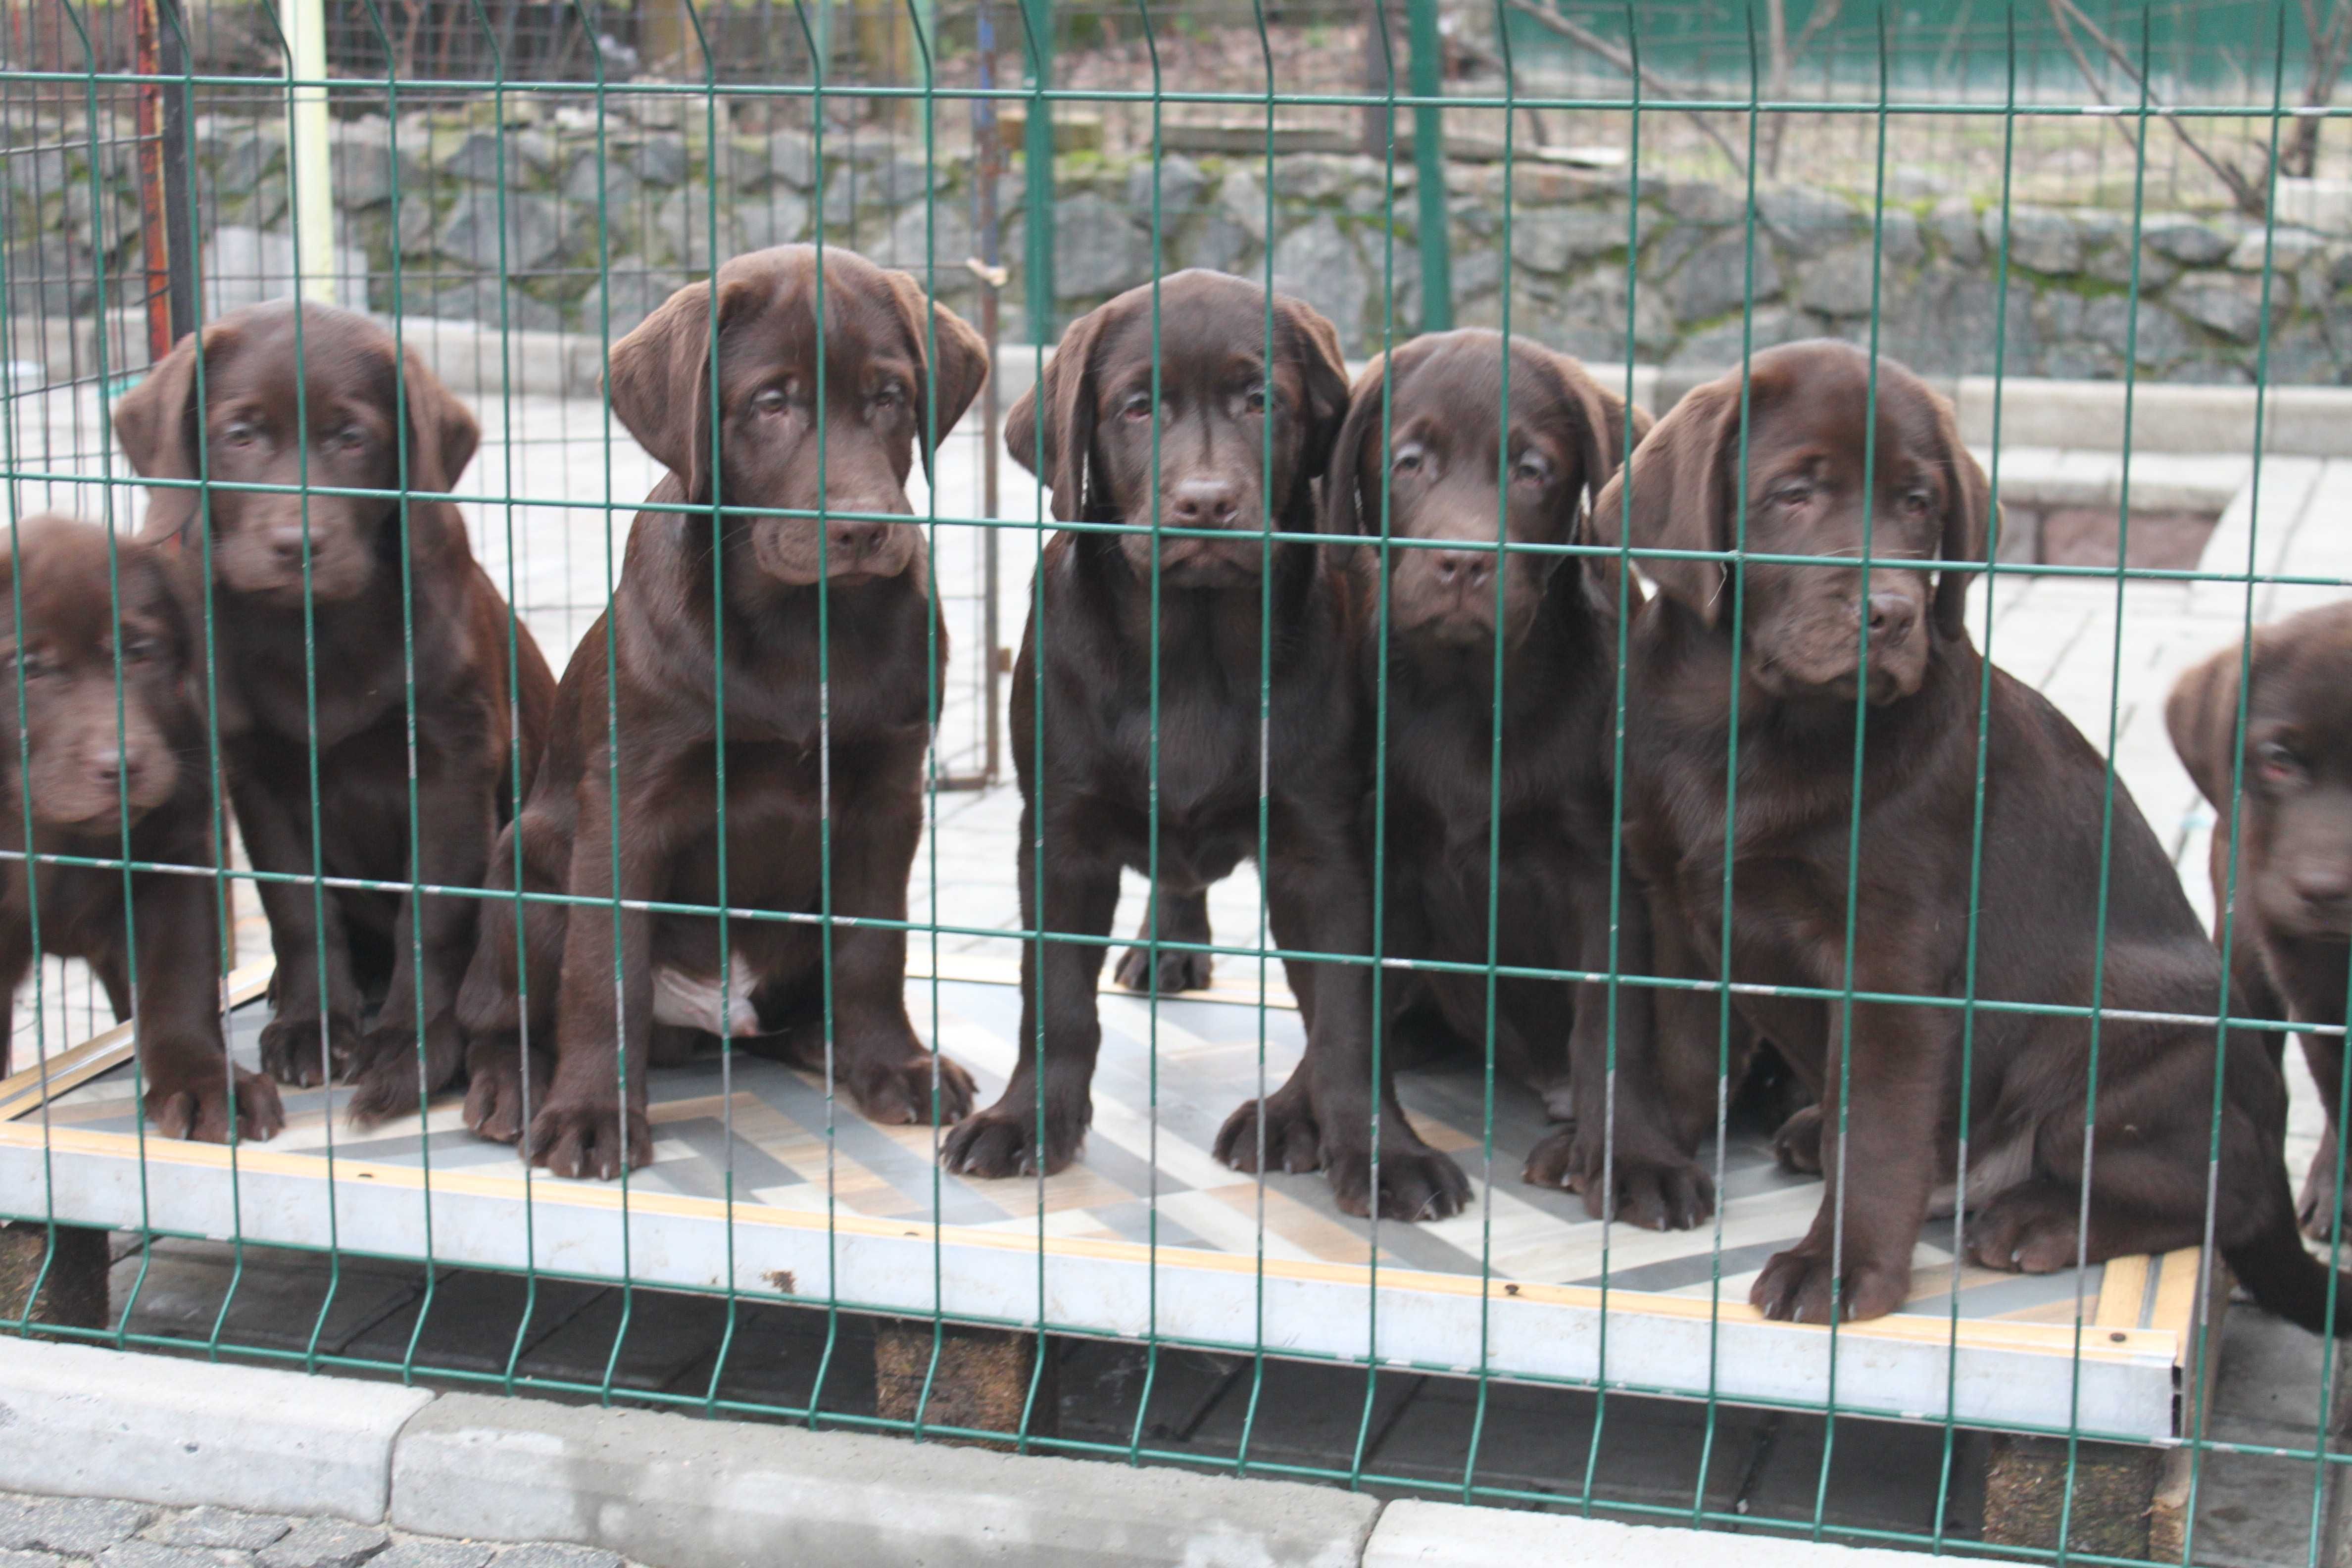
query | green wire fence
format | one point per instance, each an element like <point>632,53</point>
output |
<point>2094,225</point>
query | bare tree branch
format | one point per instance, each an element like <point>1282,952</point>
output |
<point>2246,192</point>
<point>2330,46</point>
<point>1623,60</point>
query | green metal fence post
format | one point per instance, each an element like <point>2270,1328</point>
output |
<point>1429,162</point>
<point>1037,148</point>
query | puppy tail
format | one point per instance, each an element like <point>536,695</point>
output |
<point>2284,1277</point>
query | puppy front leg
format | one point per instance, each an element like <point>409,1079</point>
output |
<point>1183,914</point>
<point>586,1126</point>
<point>193,1089</point>
<point>1318,900</point>
<point>433,940</point>
<point>1862,1237</point>
<point>885,1065</point>
<point>1080,897</point>
<point>1621,1154</point>
<point>302,919</point>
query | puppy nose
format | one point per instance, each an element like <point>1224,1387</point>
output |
<point>286,539</point>
<point>1893,616</point>
<point>1464,569</point>
<point>1205,503</point>
<point>106,765</point>
<point>2325,883</point>
<point>853,540</point>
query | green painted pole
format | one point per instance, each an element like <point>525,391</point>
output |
<point>1429,162</point>
<point>1037,147</point>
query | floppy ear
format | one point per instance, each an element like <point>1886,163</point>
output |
<point>1325,372</point>
<point>1679,497</point>
<point>1599,416</point>
<point>1967,524</point>
<point>659,380</point>
<point>962,361</point>
<point>156,423</point>
<point>1054,423</point>
<point>2201,715</point>
<point>1343,503</point>
<point>442,434</point>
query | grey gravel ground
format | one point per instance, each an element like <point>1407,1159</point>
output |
<point>52,1532</point>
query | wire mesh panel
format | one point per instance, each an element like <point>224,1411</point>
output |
<point>1590,758</point>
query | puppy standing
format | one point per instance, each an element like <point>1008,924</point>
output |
<point>335,417</point>
<point>2292,828</point>
<point>85,778</point>
<point>1229,405</point>
<point>1795,676</point>
<point>1449,470</point>
<point>803,761</point>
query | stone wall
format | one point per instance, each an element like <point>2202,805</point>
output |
<point>539,256</point>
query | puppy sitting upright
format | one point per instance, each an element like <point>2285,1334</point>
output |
<point>2293,827</point>
<point>346,411</point>
<point>1222,410</point>
<point>1781,642</point>
<point>88,773</point>
<point>1451,474</point>
<point>805,761</point>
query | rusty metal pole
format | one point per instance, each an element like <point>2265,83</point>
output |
<point>154,216</point>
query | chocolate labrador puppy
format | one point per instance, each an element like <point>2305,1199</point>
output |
<point>1191,444</point>
<point>1784,643</point>
<point>88,775</point>
<point>803,760</point>
<point>2293,836</point>
<point>1453,475</point>
<point>371,577</point>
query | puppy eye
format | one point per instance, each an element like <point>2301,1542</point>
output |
<point>34,664</point>
<point>139,650</point>
<point>1256,401</point>
<point>2279,761</point>
<point>1138,407</point>
<point>241,433</point>
<point>890,396</point>
<point>768,400</point>
<point>1531,472</point>
<point>1408,459</point>
<point>1916,501</point>
<point>350,439</point>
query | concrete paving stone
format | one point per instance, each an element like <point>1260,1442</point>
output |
<point>211,1526</point>
<point>1441,1534</point>
<point>154,1554</point>
<point>324,1543</point>
<point>546,1554</point>
<point>433,1554</point>
<point>84,1526</point>
<point>31,1560</point>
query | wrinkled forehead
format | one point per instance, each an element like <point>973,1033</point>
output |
<point>339,359</point>
<point>72,588</point>
<point>2306,680</point>
<point>778,327</point>
<point>1821,413</point>
<point>1200,336</point>
<point>1457,389</point>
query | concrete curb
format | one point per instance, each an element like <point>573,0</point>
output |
<point>678,1492</point>
<point>1448,1535</point>
<point>86,1422</point>
<point>673,1490</point>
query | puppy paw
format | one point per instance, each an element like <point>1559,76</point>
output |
<point>1002,1140</point>
<point>495,1095</point>
<point>1654,1189</point>
<point>1795,1287</point>
<point>1174,971</point>
<point>289,1049</point>
<point>2315,1211</point>
<point>2026,1230</point>
<point>1798,1145</point>
<point>898,1093</point>
<point>200,1104</point>
<point>1416,1182</point>
<point>387,1078</point>
<point>1292,1143</point>
<point>571,1136</point>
